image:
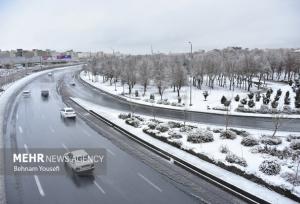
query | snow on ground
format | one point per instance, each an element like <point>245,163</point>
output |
<point>198,102</point>
<point>212,150</point>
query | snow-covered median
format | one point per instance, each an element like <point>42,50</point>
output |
<point>193,140</point>
<point>212,104</point>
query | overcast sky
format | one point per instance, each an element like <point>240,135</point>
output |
<point>132,26</point>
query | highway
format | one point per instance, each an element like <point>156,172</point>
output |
<point>134,174</point>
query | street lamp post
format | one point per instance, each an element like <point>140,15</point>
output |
<point>190,81</point>
<point>190,76</point>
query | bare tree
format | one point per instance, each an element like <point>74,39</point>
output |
<point>160,75</point>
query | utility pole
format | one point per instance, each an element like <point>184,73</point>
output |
<point>190,71</point>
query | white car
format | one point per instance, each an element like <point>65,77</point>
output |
<point>50,74</point>
<point>79,161</point>
<point>26,93</point>
<point>67,113</point>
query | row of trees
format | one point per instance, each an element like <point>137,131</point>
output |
<point>229,68</point>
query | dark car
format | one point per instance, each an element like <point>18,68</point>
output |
<point>45,93</point>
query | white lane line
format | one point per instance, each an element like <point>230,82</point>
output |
<point>99,187</point>
<point>20,129</point>
<point>111,152</point>
<point>17,116</point>
<point>36,178</point>
<point>26,148</point>
<point>86,133</point>
<point>52,130</point>
<point>149,182</point>
<point>38,183</point>
<point>65,147</point>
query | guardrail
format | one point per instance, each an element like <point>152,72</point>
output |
<point>23,72</point>
<point>246,196</point>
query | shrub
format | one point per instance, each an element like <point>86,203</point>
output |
<point>257,97</point>
<point>228,134</point>
<point>264,109</point>
<point>163,127</point>
<point>175,135</point>
<point>240,108</point>
<point>173,124</point>
<point>205,94</point>
<point>251,95</point>
<point>251,103</point>
<point>249,141</point>
<point>270,167</point>
<point>136,93</point>
<point>287,99</point>
<point>124,116</point>
<point>200,136</point>
<point>279,92</point>
<point>237,98</point>
<point>227,103</point>
<point>223,99</point>
<point>291,178</point>
<point>186,128</point>
<point>155,120</point>
<point>266,100</point>
<point>232,158</point>
<point>133,122</point>
<point>159,102</point>
<point>244,101</point>
<point>153,133</point>
<point>274,104</point>
<point>295,144</point>
<point>152,97</point>
<point>224,149</point>
<point>176,143</point>
<point>287,109</point>
<point>152,125</point>
<point>217,130</point>
<point>292,137</point>
<point>297,98</point>
<point>165,102</point>
<point>179,99</point>
<point>269,140</point>
<point>242,133</point>
<point>269,92</point>
<point>173,104</point>
<point>273,151</point>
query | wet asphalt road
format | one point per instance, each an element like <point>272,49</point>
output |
<point>82,90</point>
<point>36,123</point>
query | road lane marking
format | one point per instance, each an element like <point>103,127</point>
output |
<point>65,147</point>
<point>52,130</point>
<point>26,148</point>
<point>20,129</point>
<point>17,116</point>
<point>99,187</point>
<point>36,178</point>
<point>111,152</point>
<point>86,133</point>
<point>149,182</point>
<point>39,186</point>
